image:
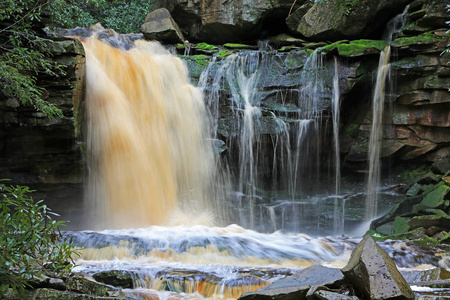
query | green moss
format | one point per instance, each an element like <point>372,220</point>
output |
<point>400,225</point>
<point>361,47</point>
<point>224,53</point>
<point>435,198</point>
<point>426,38</point>
<point>333,46</point>
<point>205,46</point>
<point>352,129</point>
<point>237,46</point>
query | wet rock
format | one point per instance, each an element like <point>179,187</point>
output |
<point>297,285</point>
<point>374,274</point>
<point>48,293</point>
<point>116,278</point>
<point>438,284</point>
<point>86,286</point>
<point>334,20</point>
<point>441,222</point>
<point>329,295</point>
<point>413,276</point>
<point>159,25</point>
<point>45,294</point>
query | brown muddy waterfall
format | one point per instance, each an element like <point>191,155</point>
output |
<point>146,138</point>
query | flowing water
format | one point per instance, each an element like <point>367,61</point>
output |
<point>378,102</point>
<point>218,262</point>
<point>153,170</point>
<point>339,208</point>
<point>376,134</point>
<point>139,103</point>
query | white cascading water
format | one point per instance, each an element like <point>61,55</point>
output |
<point>339,209</point>
<point>294,162</point>
<point>242,75</point>
<point>376,134</point>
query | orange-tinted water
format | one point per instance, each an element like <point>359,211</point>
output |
<point>146,141</point>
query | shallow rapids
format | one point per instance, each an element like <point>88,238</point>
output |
<point>218,262</point>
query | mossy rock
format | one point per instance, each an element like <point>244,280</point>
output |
<point>120,278</point>
<point>434,198</point>
<point>333,46</point>
<point>426,221</point>
<point>361,47</point>
<point>224,53</point>
<point>86,286</point>
<point>352,129</point>
<point>423,39</point>
<point>400,225</point>
<point>205,46</point>
<point>414,190</point>
<point>239,46</point>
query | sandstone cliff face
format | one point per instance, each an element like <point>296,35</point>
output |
<point>417,104</point>
<point>34,149</point>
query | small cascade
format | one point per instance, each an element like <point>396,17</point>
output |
<point>378,110</point>
<point>242,75</point>
<point>277,151</point>
<point>339,210</point>
<point>201,262</point>
<point>148,150</point>
<point>376,134</point>
<point>308,130</point>
<point>395,25</point>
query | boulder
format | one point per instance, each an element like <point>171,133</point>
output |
<point>374,274</point>
<point>297,285</point>
<point>120,278</point>
<point>159,25</point>
<point>220,21</point>
<point>336,20</point>
<point>86,286</point>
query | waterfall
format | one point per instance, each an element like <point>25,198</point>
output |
<point>242,74</point>
<point>147,145</point>
<point>306,161</point>
<point>339,216</point>
<point>293,164</point>
<point>376,134</point>
<point>394,26</point>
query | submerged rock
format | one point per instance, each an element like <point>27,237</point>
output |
<point>374,274</point>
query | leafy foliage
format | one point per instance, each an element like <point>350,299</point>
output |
<point>124,16</point>
<point>29,243</point>
<point>23,54</point>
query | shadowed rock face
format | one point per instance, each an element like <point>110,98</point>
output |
<point>374,274</point>
<point>220,21</point>
<point>336,20</point>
